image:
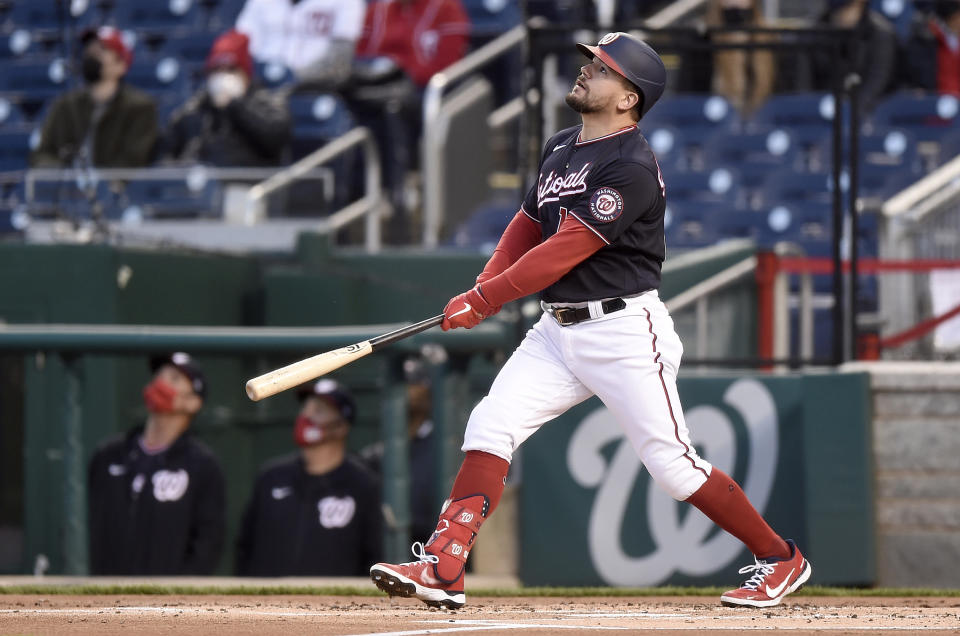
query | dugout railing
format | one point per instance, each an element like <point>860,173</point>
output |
<point>448,354</point>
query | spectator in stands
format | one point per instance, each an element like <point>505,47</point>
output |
<point>230,122</point>
<point>876,51</point>
<point>313,38</point>
<point>316,512</point>
<point>107,123</point>
<point>743,76</point>
<point>932,57</point>
<point>157,503</point>
<point>421,450</point>
<point>404,43</point>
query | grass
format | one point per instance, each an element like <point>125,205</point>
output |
<point>350,590</point>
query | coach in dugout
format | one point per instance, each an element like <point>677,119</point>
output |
<point>156,494</point>
<point>315,512</point>
<point>105,123</point>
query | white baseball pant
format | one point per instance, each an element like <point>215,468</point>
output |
<point>628,358</point>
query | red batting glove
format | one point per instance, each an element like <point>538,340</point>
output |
<point>482,278</point>
<point>466,310</point>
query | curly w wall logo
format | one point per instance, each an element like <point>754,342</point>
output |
<point>683,543</point>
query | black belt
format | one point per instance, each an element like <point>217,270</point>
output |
<point>567,316</point>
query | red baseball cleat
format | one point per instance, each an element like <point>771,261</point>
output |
<point>772,580</point>
<point>419,579</point>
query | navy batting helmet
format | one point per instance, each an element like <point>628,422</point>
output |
<point>634,59</point>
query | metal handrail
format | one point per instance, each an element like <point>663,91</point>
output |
<point>432,102</point>
<point>158,173</point>
<point>369,205</point>
<point>934,184</point>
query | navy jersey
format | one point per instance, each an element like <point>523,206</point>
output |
<point>614,187</point>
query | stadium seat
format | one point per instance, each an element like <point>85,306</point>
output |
<point>16,44</point>
<point>34,15</point>
<point>927,116</point>
<point>699,116</point>
<point>792,186</point>
<point>483,228</point>
<point>191,47</point>
<point>756,155</point>
<point>10,114</point>
<point>273,74</point>
<point>688,225</point>
<point>673,149</point>
<point>718,186</point>
<point>162,77</point>
<point>317,118</point>
<point>36,79</point>
<point>490,18</point>
<point>172,198</point>
<point>889,147</point>
<point>809,225</point>
<point>807,116</point>
<point>14,149</point>
<point>900,13</point>
<point>158,15</point>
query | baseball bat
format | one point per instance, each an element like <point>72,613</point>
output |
<point>305,370</point>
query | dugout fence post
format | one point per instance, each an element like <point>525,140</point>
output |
<point>852,86</point>
<point>75,538</point>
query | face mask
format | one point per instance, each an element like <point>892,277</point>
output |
<point>224,87</point>
<point>306,432</point>
<point>91,68</point>
<point>736,17</point>
<point>159,396</point>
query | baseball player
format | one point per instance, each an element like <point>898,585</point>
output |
<point>157,496</point>
<point>589,237</point>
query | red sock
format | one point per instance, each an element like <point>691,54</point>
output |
<point>481,474</point>
<point>722,500</point>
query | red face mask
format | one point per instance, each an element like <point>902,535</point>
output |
<point>306,432</point>
<point>159,396</point>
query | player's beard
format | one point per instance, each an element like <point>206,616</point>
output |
<point>583,104</point>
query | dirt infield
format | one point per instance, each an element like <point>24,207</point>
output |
<point>328,615</point>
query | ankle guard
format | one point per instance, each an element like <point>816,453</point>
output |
<point>456,531</point>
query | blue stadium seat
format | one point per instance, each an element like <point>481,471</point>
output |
<point>756,155</point>
<point>889,147</point>
<point>791,186</point>
<point>697,115</point>
<point>718,186</point>
<point>808,224</point>
<point>161,77</point>
<point>884,181</point>
<point>37,79</point>
<point>221,14</point>
<point>928,117</point>
<point>172,198</point>
<point>16,44</point>
<point>273,74</point>
<point>483,228</point>
<point>808,117</point>
<point>687,225</point>
<point>899,12</point>
<point>14,149</point>
<point>191,47</point>
<point>158,15</point>
<point>10,114</point>
<point>490,18</point>
<point>317,118</point>
<point>671,146</point>
<point>36,15</point>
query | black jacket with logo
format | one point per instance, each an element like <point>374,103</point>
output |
<point>298,524</point>
<point>162,514</point>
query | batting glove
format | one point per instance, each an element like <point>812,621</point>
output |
<point>466,310</point>
<point>482,278</point>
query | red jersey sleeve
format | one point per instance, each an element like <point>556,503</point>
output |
<point>544,264</point>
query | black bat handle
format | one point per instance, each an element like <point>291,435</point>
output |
<point>404,332</point>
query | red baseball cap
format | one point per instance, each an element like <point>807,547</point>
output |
<point>232,49</point>
<point>110,38</point>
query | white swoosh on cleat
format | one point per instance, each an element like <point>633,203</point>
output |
<point>466,308</point>
<point>774,592</point>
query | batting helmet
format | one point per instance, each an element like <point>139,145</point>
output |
<point>634,59</point>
